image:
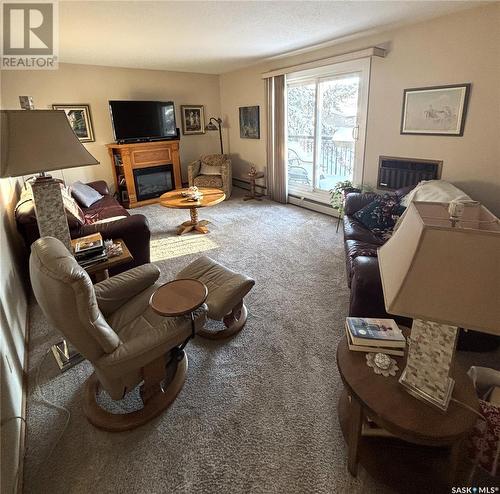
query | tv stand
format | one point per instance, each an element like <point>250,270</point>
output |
<point>125,158</point>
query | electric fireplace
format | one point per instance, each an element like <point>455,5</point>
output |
<point>153,181</point>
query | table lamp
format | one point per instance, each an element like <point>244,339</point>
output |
<point>38,141</point>
<point>441,267</point>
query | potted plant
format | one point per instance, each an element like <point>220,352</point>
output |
<point>338,193</point>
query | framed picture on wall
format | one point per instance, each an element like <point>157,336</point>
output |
<point>249,122</point>
<point>193,119</point>
<point>80,120</point>
<point>437,110</point>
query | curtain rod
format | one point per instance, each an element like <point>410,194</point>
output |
<point>373,51</point>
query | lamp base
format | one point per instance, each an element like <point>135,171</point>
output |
<point>441,402</point>
<point>64,356</point>
<point>49,207</point>
<point>431,348</point>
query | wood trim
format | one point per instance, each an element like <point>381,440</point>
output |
<point>24,406</point>
<point>373,51</point>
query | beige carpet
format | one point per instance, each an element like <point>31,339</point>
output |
<point>258,412</point>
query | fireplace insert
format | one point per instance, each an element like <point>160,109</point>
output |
<point>153,181</point>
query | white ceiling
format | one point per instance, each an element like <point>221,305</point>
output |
<point>219,36</point>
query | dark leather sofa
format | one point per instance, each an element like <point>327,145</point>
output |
<point>363,275</point>
<point>133,229</point>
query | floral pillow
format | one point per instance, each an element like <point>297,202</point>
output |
<point>381,215</point>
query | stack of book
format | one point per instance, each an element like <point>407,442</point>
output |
<point>89,250</point>
<point>374,335</point>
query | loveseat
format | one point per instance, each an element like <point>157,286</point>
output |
<point>106,216</point>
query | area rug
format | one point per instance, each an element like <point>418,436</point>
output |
<point>257,413</point>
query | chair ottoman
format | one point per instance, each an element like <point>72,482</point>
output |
<point>226,290</point>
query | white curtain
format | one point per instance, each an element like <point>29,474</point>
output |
<point>277,178</point>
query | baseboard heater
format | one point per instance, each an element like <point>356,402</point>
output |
<point>395,173</point>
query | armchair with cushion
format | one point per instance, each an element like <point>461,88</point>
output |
<point>112,325</point>
<point>212,170</point>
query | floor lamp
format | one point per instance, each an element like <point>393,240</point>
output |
<point>35,142</point>
<point>442,269</point>
<point>215,126</point>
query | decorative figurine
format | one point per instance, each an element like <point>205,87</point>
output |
<point>382,364</point>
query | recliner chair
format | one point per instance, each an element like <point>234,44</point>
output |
<point>112,325</point>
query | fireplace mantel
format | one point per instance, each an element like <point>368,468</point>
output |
<point>125,158</point>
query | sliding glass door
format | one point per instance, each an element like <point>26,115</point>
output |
<point>326,121</point>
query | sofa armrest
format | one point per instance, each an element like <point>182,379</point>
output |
<point>193,171</point>
<point>133,230</point>
<point>112,293</point>
<point>354,201</point>
<point>101,186</point>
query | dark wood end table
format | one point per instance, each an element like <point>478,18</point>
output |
<point>253,194</point>
<point>424,453</point>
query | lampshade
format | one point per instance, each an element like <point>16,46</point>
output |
<point>210,126</point>
<point>35,141</point>
<point>450,275</point>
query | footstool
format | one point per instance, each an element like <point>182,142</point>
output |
<point>226,290</point>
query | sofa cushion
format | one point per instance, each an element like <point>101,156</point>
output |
<point>354,230</point>
<point>381,215</point>
<point>105,208</point>
<point>84,195</point>
<point>206,169</point>
<point>208,181</point>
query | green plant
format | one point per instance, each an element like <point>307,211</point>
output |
<point>337,195</point>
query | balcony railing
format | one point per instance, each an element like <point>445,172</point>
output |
<point>336,158</point>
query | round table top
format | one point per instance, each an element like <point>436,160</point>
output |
<point>178,297</point>
<point>387,403</point>
<point>174,198</point>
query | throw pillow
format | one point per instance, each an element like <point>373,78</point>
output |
<point>210,169</point>
<point>74,214</point>
<point>380,215</point>
<point>84,194</point>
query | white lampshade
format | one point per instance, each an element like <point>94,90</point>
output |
<point>34,141</point>
<point>435,272</point>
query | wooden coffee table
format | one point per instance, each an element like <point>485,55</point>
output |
<point>424,453</point>
<point>174,199</point>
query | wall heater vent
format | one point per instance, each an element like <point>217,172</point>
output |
<point>395,173</point>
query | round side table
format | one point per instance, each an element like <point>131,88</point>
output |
<point>179,297</point>
<point>423,453</point>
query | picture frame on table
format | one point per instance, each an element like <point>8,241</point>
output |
<point>193,119</point>
<point>80,119</point>
<point>250,122</point>
<point>436,110</point>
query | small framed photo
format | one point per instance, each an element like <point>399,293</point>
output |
<point>437,110</point>
<point>249,122</point>
<point>193,119</point>
<point>80,120</point>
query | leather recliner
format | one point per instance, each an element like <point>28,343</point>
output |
<point>112,325</point>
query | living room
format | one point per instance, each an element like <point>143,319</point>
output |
<point>259,409</point>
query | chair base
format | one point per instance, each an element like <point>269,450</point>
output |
<point>234,323</point>
<point>153,406</point>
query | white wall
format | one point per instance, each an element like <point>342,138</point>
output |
<point>13,319</point>
<point>96,85</point>
<point>462,47</point>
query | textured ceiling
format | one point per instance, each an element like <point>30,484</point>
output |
<point>219,36</point>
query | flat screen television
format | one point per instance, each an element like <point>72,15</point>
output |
<point>143,120</point>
